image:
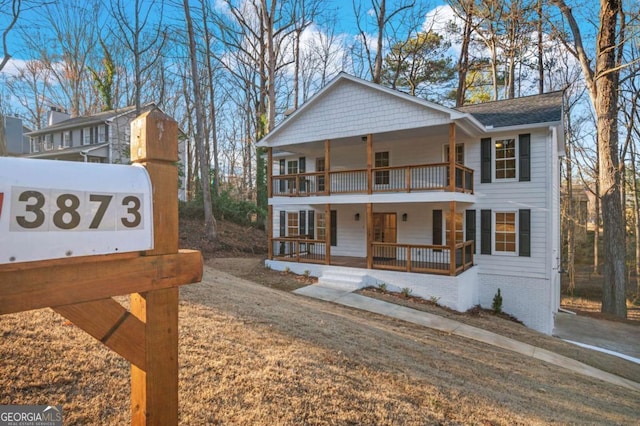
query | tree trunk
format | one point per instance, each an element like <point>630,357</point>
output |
<point>603,92</point>
<point>606,106</point>
<point>209,220</point>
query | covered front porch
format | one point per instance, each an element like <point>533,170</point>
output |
<point>425,238</point>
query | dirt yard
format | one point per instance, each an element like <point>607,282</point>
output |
<point>252,353</point>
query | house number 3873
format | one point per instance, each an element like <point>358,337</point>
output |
<point>59,210</point>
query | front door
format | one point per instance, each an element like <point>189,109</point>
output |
<point>385,231</point>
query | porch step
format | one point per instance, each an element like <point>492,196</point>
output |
<point>343,280</point>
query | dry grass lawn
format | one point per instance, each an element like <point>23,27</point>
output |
<point>254,355</point>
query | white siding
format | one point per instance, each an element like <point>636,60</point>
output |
<point>512,196</point>
<point>349,109</point>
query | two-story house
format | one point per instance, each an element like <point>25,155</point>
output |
<point>99,138</point>
<point>368,185</point>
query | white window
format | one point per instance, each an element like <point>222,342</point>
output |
<point>48,142</point>
<point>505,159</point>
<point>86,136</point>
<point>66,139</point>
<point>459,153</point>
<point>381,159</point>
<point>35,144</point>
<point>321,226</point>
<point>292,224</point>
<point>102,134</point>
<point>505,232</point>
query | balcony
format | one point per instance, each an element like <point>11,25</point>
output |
<point>415,178</point>
<point>425,259</point>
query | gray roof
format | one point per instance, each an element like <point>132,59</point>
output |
<point>545,108</point>
<point>77,122</point>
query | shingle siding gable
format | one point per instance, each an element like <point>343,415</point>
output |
<point>351,109</point>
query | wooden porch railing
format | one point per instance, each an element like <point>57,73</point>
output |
<point>425,177</point>
<point>299,249</point>
<point>430,259</point>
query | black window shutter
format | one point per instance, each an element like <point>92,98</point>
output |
<point>524,147</point>
<point>302,223</point>
<point>524,237</point>
<point>485,231</point>
<point>81,136</point>
<point>283,224</point>
<point>485,165</point>
<point>311,224</point>
<point>106,133</point>
<point>470,225</point>
<point>437,227</point>
<point>334,228</point>
<point>283,186</point>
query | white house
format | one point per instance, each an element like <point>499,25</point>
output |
<point>368,185</point>
<point>99,138</point>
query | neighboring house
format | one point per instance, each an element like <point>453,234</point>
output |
<point>99,138</point>
<point>368,185</point>
<point>13,140</point>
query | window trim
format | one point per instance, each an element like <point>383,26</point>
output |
<point>320,219</point>
<point>384,175</point>
<point>494,231</point>
<point>494,159</point>
<point>86,136</point>
<point>66,141</point>
<point>445,156</point>
<point>290,225</point>
<point>48,142</point>
<point>445,228</point>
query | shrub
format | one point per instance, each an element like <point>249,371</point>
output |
<point>382,287</point>
<point>497,303</point>
<point>406,292</point>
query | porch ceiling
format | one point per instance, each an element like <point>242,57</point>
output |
<point>316,148</point>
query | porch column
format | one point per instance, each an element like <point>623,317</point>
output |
<point>327,167</point>
<point>269,172</point>
<point>452,157</point>
<point>369,225</point>
<point>270,232</point>
<point>451,231</point>
<point>327,234</point>
<point>369,163</point>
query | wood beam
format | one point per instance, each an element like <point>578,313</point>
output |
<point>327,167</point>
<point>369,163</point>
<point>63,283</point>
<point>452,157</point>
<point>269,172</point>
<point>110,323</point>
<point>327,234</point>
<point>270,232</point>
<point>369,235</point>
<point>452,238</point>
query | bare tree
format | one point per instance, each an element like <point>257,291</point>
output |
<point>602,84</point>
<point>14,6</point>
<point>382,18</point>
<point>209,220</point>
<point>143,38</point>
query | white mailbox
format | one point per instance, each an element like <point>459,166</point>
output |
<point>56,209</point>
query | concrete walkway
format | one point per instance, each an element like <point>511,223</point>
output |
<point>346,298</point>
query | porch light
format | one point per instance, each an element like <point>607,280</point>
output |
<point>404,217</point>
<point>363,138</point>
<point>357,217</point>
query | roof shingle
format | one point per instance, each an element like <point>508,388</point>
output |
<point>545,108</point>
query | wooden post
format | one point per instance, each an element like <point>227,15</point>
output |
<point>369,163</point>
<point>327,167</point>
<point>452,157</point>
<point>154,390</point>
<point>369,235</point>
<point>452,238</point>
<point>269,172</point>
<point>80,288</point>
<point>270,232</point>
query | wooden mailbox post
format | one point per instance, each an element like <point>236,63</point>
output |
<point>81,288</point>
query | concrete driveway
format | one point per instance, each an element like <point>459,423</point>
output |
<point>608,335</point>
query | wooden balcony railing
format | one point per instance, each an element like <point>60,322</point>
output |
<point>426,177</point>
<point>429,259</point>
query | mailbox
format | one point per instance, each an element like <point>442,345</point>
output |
<point>57,209</point>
